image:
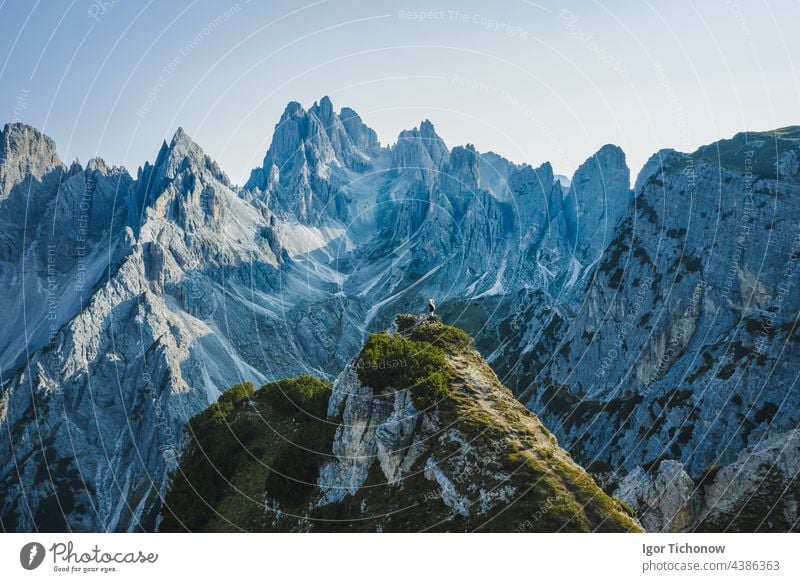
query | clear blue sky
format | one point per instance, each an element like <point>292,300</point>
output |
<point>533,81</point>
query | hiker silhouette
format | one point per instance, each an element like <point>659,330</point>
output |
<point>431,308</point>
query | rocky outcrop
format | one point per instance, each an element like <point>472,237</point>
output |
<point>25,153</point>
<point>759,492</point>
<point>388,429</point>
<point>664,499</point>
<point>470,459</point>
<point>385,442</point>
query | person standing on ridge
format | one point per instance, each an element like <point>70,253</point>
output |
<point>431,308</point>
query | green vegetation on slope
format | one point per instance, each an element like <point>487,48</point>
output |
<point>505,465</point>
<point>250,443</point>
<point>756,152</point>
<point>513,464</point>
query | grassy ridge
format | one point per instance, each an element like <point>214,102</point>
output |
<point>249,444</point>
<point>256,448</point>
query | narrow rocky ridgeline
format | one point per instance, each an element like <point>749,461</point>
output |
<point>416,434</point>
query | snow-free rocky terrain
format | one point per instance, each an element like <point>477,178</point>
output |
<point>650,326</point>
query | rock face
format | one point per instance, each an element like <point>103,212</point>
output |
<point>757,492</point>
<point>25,153</point>
<point>471,459</point>
<point>665,499</point>
<point>640,325</point>
<point>313,156</point>
<point>95,414</point>
<point>684,344</point>
<point>599,196</point>
<point>389,430</point>
<point>61,228</point>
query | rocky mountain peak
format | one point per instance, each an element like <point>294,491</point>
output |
<point>420,151</point>
<point>363,136</point>
<point>319,137</point>
<point>654,165</point>
<point>425,135</point>
<point>463,167</point>
<point>181,137</point>
<point>533,187</point>
<point>599,196</point>
<point>21,139</point>
<point>98,165</point>
<point>308,149</point>
<point>182,146</point>
<point>310,161</point>
<point>292,109</point>
<point>184,156</point>
<point>545,172</point>
<point>323,110</point>
<point>610,154</point>
<point>24,152</point>
<point>603,179</point>
<point>427,131</point>
<point>183,185</point>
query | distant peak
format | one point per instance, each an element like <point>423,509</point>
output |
<point>24,150</point>
<point>15,135</point>
<point>183,146</point>
<point>547,167</point>
<point>609,150</point>
<point>420,148</point>
<point>19,127</point>
<point>425,131</point>
<point>465,152</point>
<point>19,141</point>
<point>463,166</point>
<point>563,180</point>
<point>183,154</point>
<point>323,111</point>
<point>609,158</point>
<point>348,113</point>
<point>98,165</point>
<point>292,109</point>
<point>180,137</point>
<point>180,147</point>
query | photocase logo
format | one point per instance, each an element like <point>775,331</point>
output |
<point>31,555</point>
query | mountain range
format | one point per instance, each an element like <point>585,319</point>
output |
<point>650,326</point>
<point>416,434</point>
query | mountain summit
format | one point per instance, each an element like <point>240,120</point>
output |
<point>312,157</point>
<point>418,435</point>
